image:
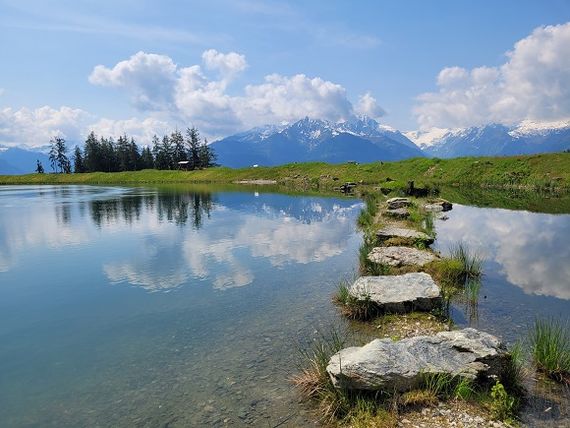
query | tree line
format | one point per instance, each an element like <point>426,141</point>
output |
<point>107,155</point>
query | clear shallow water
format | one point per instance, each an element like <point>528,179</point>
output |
<point>162,307</point>
<point>165,307</point>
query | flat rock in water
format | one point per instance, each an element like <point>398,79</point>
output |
<point>400,256</point>
<point>439,205</point>
<point>397,213</point>
<point>399,293</point>
<point>394,203</point>
<point>403,233</point>
<point>402,365</point>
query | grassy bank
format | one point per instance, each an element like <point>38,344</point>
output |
<point>544,171</point>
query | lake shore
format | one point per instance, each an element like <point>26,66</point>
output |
<point>548,172</point>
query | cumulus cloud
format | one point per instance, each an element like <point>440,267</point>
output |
<point>168,95</point>
<point>149,78</point>
<point>534,83</point>
<point>34,127</point>
<point>228,64</point>
<point>190,94</point>
<point>368,106</point>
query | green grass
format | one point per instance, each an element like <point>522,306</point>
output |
<point>368,267</point>
<point>550,348</point>
<point>337,405</point>
<point>534,172</point>
<point>471,263</point>
<point>352,307</point>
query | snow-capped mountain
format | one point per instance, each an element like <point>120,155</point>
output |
<point>361,139</point>
<point>527,137</point>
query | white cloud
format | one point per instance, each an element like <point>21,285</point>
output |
<point>534,83</point>
<point>34,127</point>
<point>141,130</point>
<point>149,78</point>
<point>188,94</point>
<point>228,64</point>
<point>169,96</point>
<point>368,106</point>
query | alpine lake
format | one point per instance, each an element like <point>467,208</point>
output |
<point>187,306</point>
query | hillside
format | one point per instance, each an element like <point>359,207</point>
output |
<point>545,171</point>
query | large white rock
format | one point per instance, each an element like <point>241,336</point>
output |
<point>403,233</point>
<point>400,256</point>
<point>399,293</point>
<point>400,366</point>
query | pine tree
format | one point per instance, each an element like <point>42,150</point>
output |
<point>147,160</point>
<point>58,155</point>
<point>93,154</point>
<point>206,155</point>
<point>78,162</point>
<point>193,143</point>
<point>178,148</point>
<point>39,167</point>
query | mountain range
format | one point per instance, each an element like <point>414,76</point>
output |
<point>526,137</point>
<point>360,139</point>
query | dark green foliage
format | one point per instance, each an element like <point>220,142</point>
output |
<point>39,167</point>
<point>78,163</point>
<point>58,156</point>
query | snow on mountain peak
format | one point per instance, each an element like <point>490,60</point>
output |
<point>531,127</point>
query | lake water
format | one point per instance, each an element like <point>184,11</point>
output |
<point>179,307</point>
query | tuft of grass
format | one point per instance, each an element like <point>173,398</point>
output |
<point>550,348</point>
<point>366,217</point>
<point>419,398</point>
<point>351,306</point>
<point>352,408</point>
<point>514,372</point>
<point>368,267</point>
<point>471,263</point>
<point>313,380</point>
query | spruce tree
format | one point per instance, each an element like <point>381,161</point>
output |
<point>78,161</point>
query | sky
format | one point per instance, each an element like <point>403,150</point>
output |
<point>145,67</point>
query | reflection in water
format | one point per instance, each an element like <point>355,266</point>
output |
<point>530,250</point>
<point>77,351</point>
<point>276,228</point>
<point>174,207</point>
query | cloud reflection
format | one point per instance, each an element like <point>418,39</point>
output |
<point>531,249</point>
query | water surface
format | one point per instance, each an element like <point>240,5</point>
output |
<point>162,307</point>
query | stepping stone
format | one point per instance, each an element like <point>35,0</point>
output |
<point>395,203</point>
<point>400,256</point>
<point>397,213</point>
<point>410,235</point>
<point>399,293</point>
<point>401,366</point>
<point>438,205</point>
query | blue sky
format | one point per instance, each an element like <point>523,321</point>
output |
<point>354,57</point>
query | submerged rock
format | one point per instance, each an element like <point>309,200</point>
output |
<point>400,366</point>
<point>395,203</point>
<point>400,256</point>
<point>399,293</point>
<point>403,234</point>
